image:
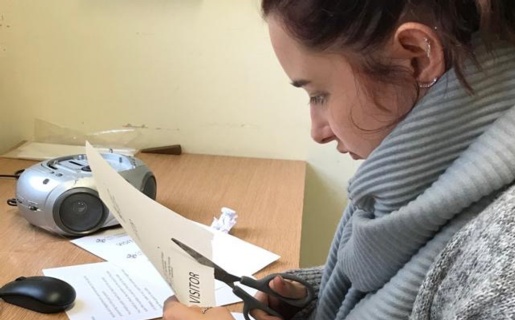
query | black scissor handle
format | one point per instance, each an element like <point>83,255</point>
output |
<point>251,303</point>
<point>263,285</point>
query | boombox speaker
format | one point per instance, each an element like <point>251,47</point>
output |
<point>60,196</point>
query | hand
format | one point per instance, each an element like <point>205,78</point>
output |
<point>286,288</point>
<point>174,310</point>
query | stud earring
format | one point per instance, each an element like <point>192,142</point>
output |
<point>427,84</point>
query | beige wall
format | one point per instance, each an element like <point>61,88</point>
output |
<point>198,73</point>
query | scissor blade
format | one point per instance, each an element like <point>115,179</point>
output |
<point>195,254</point>
<point>220,274</point>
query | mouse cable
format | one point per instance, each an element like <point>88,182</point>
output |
<point>16,175</point>
<point>12,202</point>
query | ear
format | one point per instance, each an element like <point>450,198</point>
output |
<point>421,50</point>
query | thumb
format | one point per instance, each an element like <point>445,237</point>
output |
<point>288,288</point>
<point>261,315</point>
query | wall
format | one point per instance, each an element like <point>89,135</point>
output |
<point>198,73</point>
<point>15,117</point>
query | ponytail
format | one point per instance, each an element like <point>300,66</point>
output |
<point>497,18</point>
<point>493,20</point>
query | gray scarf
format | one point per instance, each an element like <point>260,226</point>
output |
<point>437,170</point>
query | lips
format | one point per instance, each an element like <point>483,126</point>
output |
<point>354,156</point>
<point>341,149</point>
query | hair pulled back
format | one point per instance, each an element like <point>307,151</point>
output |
<point>365,25</point>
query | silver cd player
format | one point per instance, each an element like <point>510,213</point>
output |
<point>60,196</point>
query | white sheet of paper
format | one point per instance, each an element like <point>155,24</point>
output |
<point>152,226</point>
<point>243,258</point>
<point>128,290</point>
<point>115,246</point>
<point>239,316</point>
<point>237,256</point>
<point>106,291</point>
<point>143,267</point>
<point>111,245</point>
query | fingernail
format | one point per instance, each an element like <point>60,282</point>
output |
<point>281,279</point>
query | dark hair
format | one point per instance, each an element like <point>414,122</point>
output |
<point>365,25</point>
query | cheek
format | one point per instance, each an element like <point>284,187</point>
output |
<point>341,113</point>
<point>345,104</point>
<point>360,118</point>
<point>356,125</point>
<point>359,113</point>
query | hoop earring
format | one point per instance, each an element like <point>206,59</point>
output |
<point>427,84</point>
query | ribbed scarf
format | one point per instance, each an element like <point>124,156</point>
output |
<point>437,170</point>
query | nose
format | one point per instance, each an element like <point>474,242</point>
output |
<point>321,131</point>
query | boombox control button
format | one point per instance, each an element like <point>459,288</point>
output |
<point>86,168</point>
<point>33,208</point>
<point>46,181</point>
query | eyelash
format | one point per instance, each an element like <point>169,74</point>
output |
<point>317,100</point>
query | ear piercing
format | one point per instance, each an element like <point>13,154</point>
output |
<point>428,53</point>
<point>428,49</point>
<point>427,84</point>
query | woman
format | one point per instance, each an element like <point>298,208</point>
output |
<point>424,90</point>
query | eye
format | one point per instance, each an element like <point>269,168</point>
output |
<point>317,100</point>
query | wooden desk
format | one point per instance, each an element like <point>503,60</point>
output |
<point>267,194</point>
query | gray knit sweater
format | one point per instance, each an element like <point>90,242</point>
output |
<point>474,276</point>
<point>437,171</point>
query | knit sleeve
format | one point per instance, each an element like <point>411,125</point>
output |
<point>474,276</point>
<point>313,276</point>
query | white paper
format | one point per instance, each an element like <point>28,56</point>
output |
<point>239,257</point>
<point>144,268</point>
<point>152,226</point>
<point>239,316</point>
<point>115,246</point>
<point>127,290</point>
<point>106,291</point>
<point>233,254</point>
<point>111,245</point>
<point>226,221</point>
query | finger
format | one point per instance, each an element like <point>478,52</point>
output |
<point>283,287</point>
<point>262,297</point>
<point>169,300</point>
<point>288,288</point>
<point>261,315</point>
<point>268,300</point>
<point>217,313</point>
<point>175,310</point>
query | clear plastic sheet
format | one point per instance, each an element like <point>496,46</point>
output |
<point>47,132</point>
<point>52,141</point>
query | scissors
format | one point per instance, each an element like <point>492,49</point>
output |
<point>249,302</point>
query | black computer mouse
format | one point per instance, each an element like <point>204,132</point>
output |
<point>39,293</point>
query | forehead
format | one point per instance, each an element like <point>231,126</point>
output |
<point>291,53</point>
<point>282,41</point>
<point>299,62</point>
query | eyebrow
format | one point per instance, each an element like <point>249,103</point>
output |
<point>300,83</point>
